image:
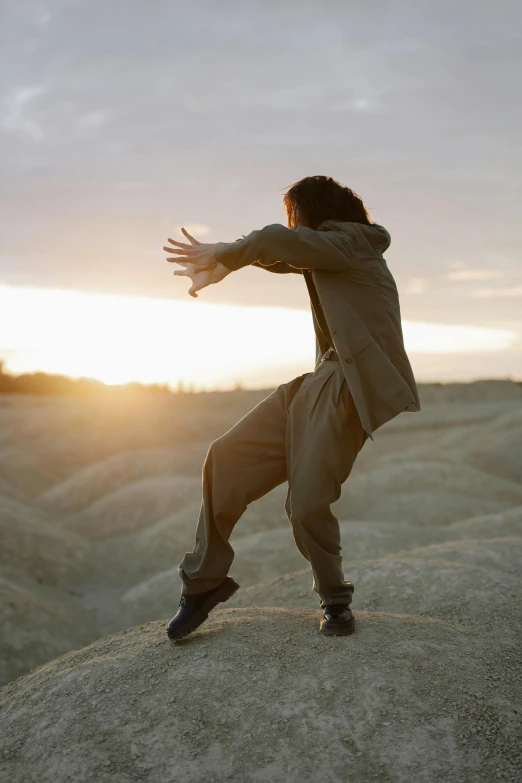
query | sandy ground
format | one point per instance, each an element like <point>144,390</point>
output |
<point>98,503</point>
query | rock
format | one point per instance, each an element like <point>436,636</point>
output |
<point>394,701</point>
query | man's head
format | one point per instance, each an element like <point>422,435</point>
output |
<point>314,199</point>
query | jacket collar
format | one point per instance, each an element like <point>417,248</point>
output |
<point>378,236</point>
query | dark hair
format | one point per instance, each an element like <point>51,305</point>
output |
<point>318,198</point>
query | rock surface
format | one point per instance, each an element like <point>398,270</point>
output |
<point>94,521</point>
<point>258,695</point>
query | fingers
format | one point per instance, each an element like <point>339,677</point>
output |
<point>178,244</point>
<point>198,266</point>
<point>199,281</point>
<point>193,241</point>
<point>193,256</point>
<point>193,288</point>
<point>179,252</point>
<point>188,268</point>
<point>183,260</point>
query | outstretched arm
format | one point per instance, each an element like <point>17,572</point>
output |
<point>202,277</point>
<point>279,267</point>
<point>301,248</point>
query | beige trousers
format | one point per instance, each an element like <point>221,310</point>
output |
<point>307,432</point>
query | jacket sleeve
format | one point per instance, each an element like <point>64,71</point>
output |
<point>300,248</point>
<point>279,267</point>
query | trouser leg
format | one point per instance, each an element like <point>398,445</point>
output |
<point>324,436</point>
<point>243,465</point>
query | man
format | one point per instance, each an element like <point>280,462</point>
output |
<point>309,431</point>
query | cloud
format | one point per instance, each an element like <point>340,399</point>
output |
<point>416,286</point>
<point>475,274</point>
<point>453,338</point>
<point>13,116</point>
<point>455,264</point>
<point>93,119</point>
<point>490,293</point>
<point>107,134</point>
<point>358,104</point>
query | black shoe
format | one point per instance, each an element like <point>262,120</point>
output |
<point>337,620</point>
<point>194,609</point>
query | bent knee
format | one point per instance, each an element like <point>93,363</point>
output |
<point>309,516</point>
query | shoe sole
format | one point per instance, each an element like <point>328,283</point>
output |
<point>339,630</point>
<point>222,594</point>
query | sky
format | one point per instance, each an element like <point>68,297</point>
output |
<point>121,122</point>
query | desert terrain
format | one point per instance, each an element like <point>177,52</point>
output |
<point>98,504</point>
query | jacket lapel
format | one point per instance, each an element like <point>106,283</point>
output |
<point>322,344</point>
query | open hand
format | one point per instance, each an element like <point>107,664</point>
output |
<point>201,278</point>
<point>202,269</point>
<point>199,254</point>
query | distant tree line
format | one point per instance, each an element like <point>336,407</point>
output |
<point>44,383</point>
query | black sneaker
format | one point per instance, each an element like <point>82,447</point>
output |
<point>337,620</point>
<point>194,609</point>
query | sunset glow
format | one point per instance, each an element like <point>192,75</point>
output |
<point>120,339</point>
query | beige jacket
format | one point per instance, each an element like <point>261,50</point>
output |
<point>360,304</point>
